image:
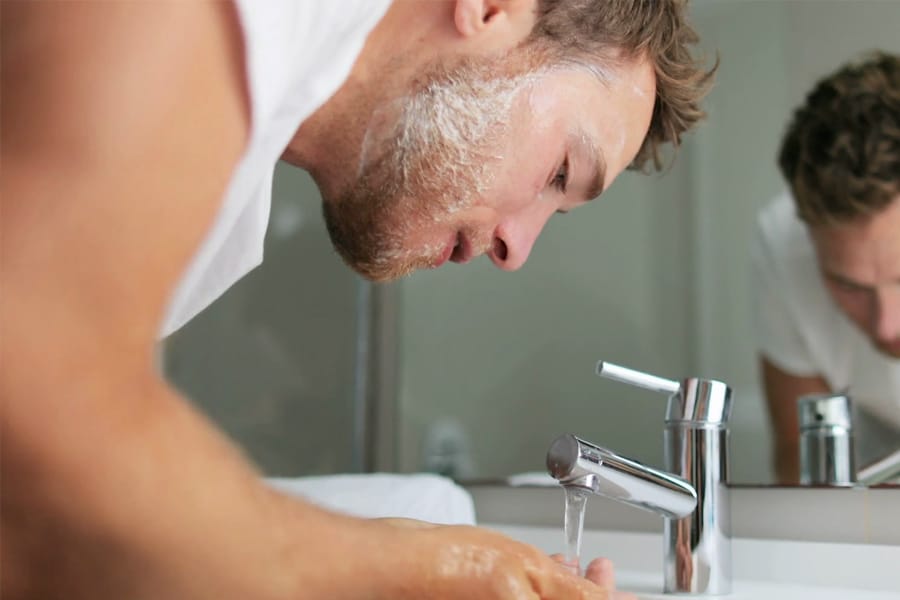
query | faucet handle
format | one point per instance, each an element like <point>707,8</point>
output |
<point>693,400</point>
<point>701,402</point>
<point>637,378</point>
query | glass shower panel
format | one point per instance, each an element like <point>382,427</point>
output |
<point>272,362</point>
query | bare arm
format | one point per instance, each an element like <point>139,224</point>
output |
<point>121,124</point>
<point>782,390</point>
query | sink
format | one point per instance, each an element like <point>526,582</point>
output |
<point>763,569</point>
<point>753,590</point>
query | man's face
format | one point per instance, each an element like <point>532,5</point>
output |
<point>860,263</point>
<point>471,162</point>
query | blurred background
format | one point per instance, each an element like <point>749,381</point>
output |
<point>472,372</point>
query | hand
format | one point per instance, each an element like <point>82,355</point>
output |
<point>444,562</point>
<point>601,572</point>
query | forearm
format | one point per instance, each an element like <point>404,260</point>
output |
<point>786,439</point>
<point>786,461</point>
<point>148,501</point>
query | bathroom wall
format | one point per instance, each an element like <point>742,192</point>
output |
<point>273,360</point>
<point>509,357</point>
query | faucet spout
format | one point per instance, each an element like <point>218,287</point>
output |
<point>577,463</point>
<point>882,470</point>
<point>692,494</point>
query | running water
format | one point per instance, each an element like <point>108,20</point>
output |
<point>576,499</point>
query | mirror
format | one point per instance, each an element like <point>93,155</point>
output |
<point>657,278</point>
<point>472,372</point>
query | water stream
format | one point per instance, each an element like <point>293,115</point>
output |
<point>576,500</point>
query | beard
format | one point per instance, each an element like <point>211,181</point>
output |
<point>891,350</point>
<point>426,156</point>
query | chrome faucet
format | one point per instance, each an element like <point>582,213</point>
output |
<point>826,440</point>
<point>827,455</point>
<point>883,470</point>
<point>692,497</point>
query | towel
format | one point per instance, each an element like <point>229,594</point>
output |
<point>532,479</point>
<point>422,496</point>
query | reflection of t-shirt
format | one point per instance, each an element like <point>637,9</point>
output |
<point>296,55</point>
<point>802,331</point>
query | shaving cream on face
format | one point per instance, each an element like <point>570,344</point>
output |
<point>425,157</point>
<point>437,151</point>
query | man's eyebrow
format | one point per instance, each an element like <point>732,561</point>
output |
<point>851,282</point>
<point>845,280</point>
<point>596,163</point>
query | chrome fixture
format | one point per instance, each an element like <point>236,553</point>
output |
<point>692,496</point>
<point>827,456</point>
<point>883,470</point>
<point>577,463</point>
<point>826,440</point>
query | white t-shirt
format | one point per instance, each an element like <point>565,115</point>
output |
<point>297,54</point>
<point>802,331</point>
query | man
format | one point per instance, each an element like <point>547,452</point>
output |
<point>137,150</point>
<point>828,260</point>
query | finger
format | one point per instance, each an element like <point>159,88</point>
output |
<point>405,523</point>
<point>566,584</point>
<point>601,572</point>
<point>569,564</point>
<point>583,589</point>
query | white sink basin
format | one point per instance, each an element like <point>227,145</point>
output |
<point>638,584</point>
<point>763,569</point>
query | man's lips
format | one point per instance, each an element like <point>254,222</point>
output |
<point>462,252</point>
<point>449,249</point>
<point>458,250</point>
<point>892,348</point>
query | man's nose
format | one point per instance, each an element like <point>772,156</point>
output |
<point>515,237</point>
<point>887,325</point>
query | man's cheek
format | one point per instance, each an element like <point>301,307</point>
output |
<point>854,304</point>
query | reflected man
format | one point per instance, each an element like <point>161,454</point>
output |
<point>827,260</point>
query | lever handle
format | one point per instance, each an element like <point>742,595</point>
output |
<point>698,401</point>
<point>637,378</point>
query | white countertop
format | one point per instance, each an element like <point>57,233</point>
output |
<point>763,569</point>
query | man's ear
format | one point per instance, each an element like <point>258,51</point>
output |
<point>513,18</point>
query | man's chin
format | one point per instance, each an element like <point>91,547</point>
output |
<point>889,350</point>
<point>382,272</point>
<point>382,277</point>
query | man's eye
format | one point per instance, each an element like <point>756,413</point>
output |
<point>850,288</point>
<point>561,179</point>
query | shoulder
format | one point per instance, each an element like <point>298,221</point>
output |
<point>782,251</point>
<point>298,53</point>
<point>785,263</point>
<point>782,233</point>
<point>296,39</point>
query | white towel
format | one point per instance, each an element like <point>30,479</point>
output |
<point>425,497</point>
<point>532,479</point>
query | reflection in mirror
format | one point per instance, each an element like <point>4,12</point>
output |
<point>665,277</point>
<point>826,277</point>
<point>476,372</point>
